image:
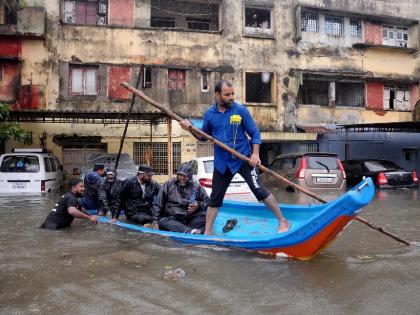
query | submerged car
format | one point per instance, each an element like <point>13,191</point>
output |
<point>203,173</point>
<point>322,172</point>
<point>30,171</point>
<point>385,174</point>
<point>126,166</point>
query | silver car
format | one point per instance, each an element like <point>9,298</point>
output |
<point>315,171</point>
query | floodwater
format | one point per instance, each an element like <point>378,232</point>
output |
<point>102,269</point>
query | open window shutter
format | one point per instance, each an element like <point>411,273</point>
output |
<point>91,82</point>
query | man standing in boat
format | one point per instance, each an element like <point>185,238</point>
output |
<point>230,123</point>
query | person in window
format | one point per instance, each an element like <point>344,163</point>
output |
<point>109,196</point>
<point>181,204</point>
<point>138,195</point>
<point>68,208</point>
<point>93,182</point>
<point>253,21</point>
<point>232,123</point>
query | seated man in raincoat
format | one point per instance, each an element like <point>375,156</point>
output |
<point>181,204</point>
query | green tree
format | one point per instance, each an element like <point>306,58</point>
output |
<point>11,130</point>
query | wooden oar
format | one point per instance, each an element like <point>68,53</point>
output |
<point>175,116</point>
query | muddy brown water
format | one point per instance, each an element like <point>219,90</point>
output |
<point>106,270</point>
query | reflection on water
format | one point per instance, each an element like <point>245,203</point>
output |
<point>103,269</point>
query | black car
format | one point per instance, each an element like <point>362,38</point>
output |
<point>385,174</point>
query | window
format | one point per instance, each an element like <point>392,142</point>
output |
<point>350,94</point>
<point>395,36</point>
<point>314,92</point>
<point>259,87</point>
<point>198,24</point>
<point>205,81</point>
<point>157,21</point>
<point>85,12</point>
<point>308,147</point>
<point>334,26</point>
<point>355,28</point>
<point>2,14</point>
<point>147,77</point>
<point>156,154</point>
<point>20,164</point>
<point>53,166</point>
<point>7,14</point>
<point>187,15</point>
<point>176,79</point>
<point>205,149</point>
<point>83,80</point>
<point>309,22</point>
<point>258,17</point>
<point>410,154</point>
<point>397,97</point>
<point>47,164</point>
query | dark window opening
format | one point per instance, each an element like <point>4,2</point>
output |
<point>205,81</point>
<point>350,94</point>
<point>157,21</point>
<point>8,14</point>
<point>314,93</point>
<point>199,16</point>
<point>355,28</point>
<point>397,97</point>
<point>334,26</point>
<point>85,12</point>
<point>410,154</point>
<point>147,77</point>
<point>259,87</point>
<point>257,17</point>
<point>309,22</point>
<point>198,24</point>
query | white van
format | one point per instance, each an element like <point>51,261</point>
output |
<point>30,171</point>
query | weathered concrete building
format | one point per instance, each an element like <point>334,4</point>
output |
<point>299,66</point>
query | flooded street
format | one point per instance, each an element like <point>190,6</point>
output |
<point>103,269</point>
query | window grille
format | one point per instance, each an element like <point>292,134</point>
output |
<point>355,28</point>
<point>314,92</point>
<point>156,154</point>
<point>334,26</point>
<point>350,94</point>
<point>200,16</point>
<point>308,147</point>
<point>309,22</point>
<point>205,149</point>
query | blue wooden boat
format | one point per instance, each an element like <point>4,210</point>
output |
<point>312,226</point>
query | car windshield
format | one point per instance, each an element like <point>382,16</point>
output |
<point>208,166</point>
<point>20,164</point>
<point>322,162</point>
<point>381,166</point>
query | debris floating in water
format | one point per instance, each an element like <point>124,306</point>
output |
<point>174,274</point>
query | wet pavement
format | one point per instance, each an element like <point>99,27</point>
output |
<point>102,269</point>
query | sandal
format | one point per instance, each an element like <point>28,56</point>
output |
<point>230,224</point>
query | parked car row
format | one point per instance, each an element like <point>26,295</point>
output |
<point>36,170</point>
<point>324,171</point>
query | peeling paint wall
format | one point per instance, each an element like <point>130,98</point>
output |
<point>227,54</point>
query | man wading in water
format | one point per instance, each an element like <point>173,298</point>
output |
<point>230,123</point>
<point>68,208</point>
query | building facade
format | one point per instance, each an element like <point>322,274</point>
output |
<point>301,67</point>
